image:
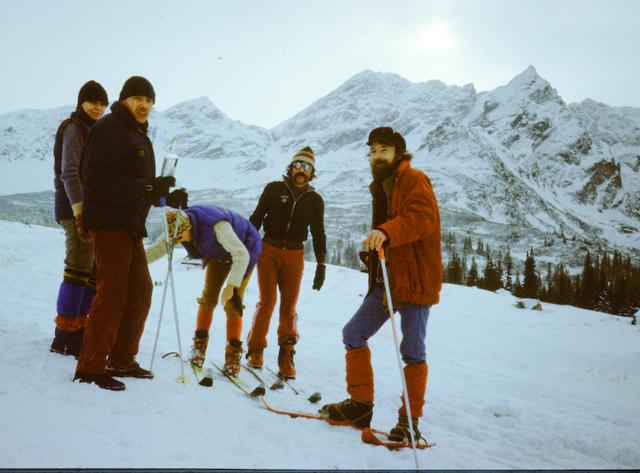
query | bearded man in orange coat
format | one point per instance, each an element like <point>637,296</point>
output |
<point>406,220</point>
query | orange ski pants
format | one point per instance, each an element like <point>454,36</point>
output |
<point>281,270</point>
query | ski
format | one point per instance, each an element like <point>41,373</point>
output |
<point>258,391</point>
<point>313,398</point>
<point>274,385</point>
<point>205,379</point>
<point>368,435</point>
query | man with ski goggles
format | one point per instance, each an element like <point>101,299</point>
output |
<point>288,209</point>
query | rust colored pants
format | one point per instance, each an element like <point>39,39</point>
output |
<point>120,308</point>
<point>277,269</point>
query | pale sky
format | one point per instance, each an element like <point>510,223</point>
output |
<point>262,61</point>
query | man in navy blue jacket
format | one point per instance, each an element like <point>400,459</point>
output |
<point>120,187</point>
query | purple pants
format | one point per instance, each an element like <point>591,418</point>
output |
<point>372,315</point>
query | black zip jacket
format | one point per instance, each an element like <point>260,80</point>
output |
<point>119,165</point>
<point>287,218</point>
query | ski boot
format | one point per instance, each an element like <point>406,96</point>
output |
<point>400,433</point>
<point>350,411</point>
<point>287,368</point>
<point>254,358</point>
<point>232,357</point>
<point>199,349</point>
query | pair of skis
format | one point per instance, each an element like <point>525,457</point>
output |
<point>277,383</point>
<point>368,435</point>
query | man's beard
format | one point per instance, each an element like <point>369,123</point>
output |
<point>380,169</point>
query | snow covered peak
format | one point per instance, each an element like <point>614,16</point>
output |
<point>530,75</point>
<point>201,107</point>
<point>527,87</point>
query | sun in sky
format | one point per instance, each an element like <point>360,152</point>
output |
<point>436,36</point>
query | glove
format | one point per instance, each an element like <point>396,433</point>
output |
<point>160,186</point>
<point>318,279</point>
<point>178,199</point>
<point>364,258</point>
<point>231,296</point>
<point>83,235</point>
<point>237,302</point>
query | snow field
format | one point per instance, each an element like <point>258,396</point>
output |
<point>508,387</point>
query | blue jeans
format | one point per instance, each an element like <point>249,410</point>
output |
<point>372,315</point>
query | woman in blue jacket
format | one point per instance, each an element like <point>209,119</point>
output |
<point>229,246</point>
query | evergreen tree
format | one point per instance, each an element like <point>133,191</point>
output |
<point>588,286</point>
<point>490,279</point>
<point>531,282</point>
<point>508,265</point>
<point>468,246</point>
<point>472,279</point>
<point>453,271</point>
<point>602,297</point>
<point>463,264</point>
<point>517,287</point>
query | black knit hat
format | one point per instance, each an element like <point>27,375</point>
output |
<point>92,91</point>
<point>389,137</point>
<point>137,86</point>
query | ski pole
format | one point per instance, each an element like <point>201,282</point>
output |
<point>165,232</point>
<point>183,378</point>
<point>169,280</point>
<point>405,391</point>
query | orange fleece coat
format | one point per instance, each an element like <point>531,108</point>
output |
<point>413,229</point>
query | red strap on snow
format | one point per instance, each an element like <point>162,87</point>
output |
<point>369,436</point>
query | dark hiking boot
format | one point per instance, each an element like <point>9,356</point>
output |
<point>286,366</point>
<point>103,381</point>
<point>75,343</point>
<point>61,341</point>
<point>400,433</point>
<point>351,411</point>
<point>58,346</point>
<point>255,358</point>
<point>132,371</point>
<point>232,357</point>
<point>199,348</point>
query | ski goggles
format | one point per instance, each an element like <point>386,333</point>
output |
<point>302,165</point>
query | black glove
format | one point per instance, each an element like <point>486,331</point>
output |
<point>318,279</point>
<point>236,301</point>
<point>160,186</point>
<point>178,199</point>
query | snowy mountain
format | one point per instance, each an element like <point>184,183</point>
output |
<point>508,388</point>
<point>514,166</point>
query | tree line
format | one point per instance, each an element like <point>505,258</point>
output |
<point>609,282</point>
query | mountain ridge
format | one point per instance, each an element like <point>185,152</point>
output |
<point>515,160</point>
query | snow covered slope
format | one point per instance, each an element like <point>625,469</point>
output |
<point>508,388</point>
